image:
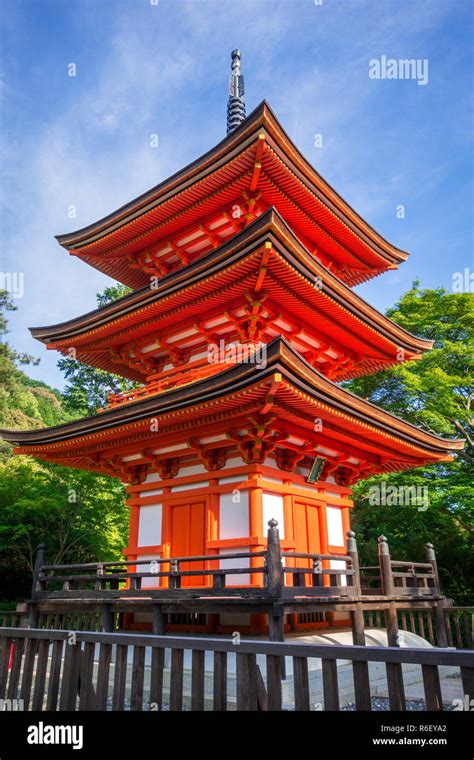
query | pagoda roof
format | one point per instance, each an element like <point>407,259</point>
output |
<point>328,311</point>
<point>259,161</point>
<point>287,390</point>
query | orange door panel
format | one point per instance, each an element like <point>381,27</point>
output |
<point>307,536</point>
<point>187,538</point>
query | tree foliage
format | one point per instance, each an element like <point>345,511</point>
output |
<point>80,516</point>
<point>437,394</point>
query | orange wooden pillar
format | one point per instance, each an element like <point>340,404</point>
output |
<point>257,620</point>
<point>212,534</point>
<point>290,537</point>
<point>165,530</point>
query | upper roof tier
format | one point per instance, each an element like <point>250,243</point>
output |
<point>195,210</point>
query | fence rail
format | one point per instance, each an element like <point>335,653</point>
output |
<point>52,670</point>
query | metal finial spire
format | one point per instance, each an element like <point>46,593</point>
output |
<point>235,104</point>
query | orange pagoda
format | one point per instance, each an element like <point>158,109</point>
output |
<point>241,325</point>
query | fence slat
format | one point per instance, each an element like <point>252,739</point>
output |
<point>138,675</point>
<point>396,691</point>
<point>5,649</point>
<point>86,676</point>
<point>70,679</point>
<point>176,680</point>
<point>301,683</point>
<point>432,687</point>
<point>54,676</point>
<point>429,620</point>
<point>197,681</point>
<point>28,667</point>
<point>360,671</point>
<point>457,629</point>
<point>12,691</point>
<point>120,677</point>
<point>253,682</point>
<point>243,682</point>
<point>156,678</point>
<point>274,682</point>
<point>105,656</point>
<point>467,630</point>
<point>220,682</point>
<point>330,685</point>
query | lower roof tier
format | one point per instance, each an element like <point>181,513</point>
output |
<point>260,284</point>
<point>285,408</point>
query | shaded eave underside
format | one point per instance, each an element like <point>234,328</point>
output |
<point>109,320</point>
<point>84,241</point>
<point>204,397</point>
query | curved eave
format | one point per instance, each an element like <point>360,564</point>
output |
<point>310,384</point>
<point>268,224</point>
<point>262,117</point>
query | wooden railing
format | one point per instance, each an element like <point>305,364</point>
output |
<point>310,573</point>
<point>51,670</point>
<point>399,577</point>
<point>274,574</point>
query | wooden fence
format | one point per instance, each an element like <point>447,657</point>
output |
<point>12,618</point>
<point>459,624</point>
<point>60,670</point>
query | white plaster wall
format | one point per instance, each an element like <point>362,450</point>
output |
<point>272,507</point>
<point>238,579</point>
<point>149,525</point>
<point>335,529</point>
<point>233,515</point>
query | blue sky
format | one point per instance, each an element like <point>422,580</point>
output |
<point>143,68</point>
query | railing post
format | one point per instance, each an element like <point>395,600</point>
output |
<point>174,577</point>
<point>431,558</point>
<point>394,670</point>
<point>274,563</point>
<point>32,610</point>
<point>99,585</point>
<point>385,563</point>
<point>441,624</point>
<point>39,562</point>
<point>106,617</point>
<point>353,553</point>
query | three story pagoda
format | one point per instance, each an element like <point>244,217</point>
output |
<point>241,325</point>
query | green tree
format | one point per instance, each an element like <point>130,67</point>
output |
<point>435,393</point>
<point>80,516</point>
<point>24,403</point>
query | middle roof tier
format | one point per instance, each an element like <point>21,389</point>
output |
<point>260,284</point>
